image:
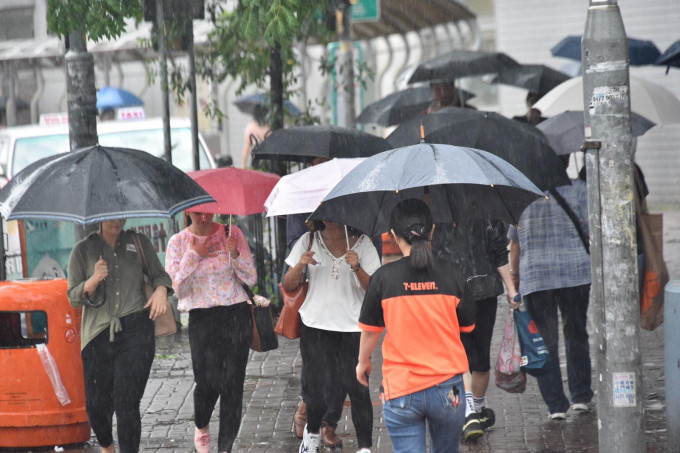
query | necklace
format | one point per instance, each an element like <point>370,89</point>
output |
<point>335,270</point>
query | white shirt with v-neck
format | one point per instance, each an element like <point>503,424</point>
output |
<point>333,303</point>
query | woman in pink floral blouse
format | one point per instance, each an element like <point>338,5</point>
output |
<point>207,263</point>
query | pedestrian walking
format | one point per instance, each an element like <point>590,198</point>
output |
<point>479,248</point>
<point>209,263</point>
<point>424,304</point>
<point>106,278</point>
<point>551,266</point>
<point>339,265</point>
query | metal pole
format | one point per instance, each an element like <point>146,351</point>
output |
<point>194,94</point>
<point>11,105</point>
<point>615,295</point>
<point>81,93</point>
<point>165,103</point>
<point>671,319</point>
<point>346,61</point>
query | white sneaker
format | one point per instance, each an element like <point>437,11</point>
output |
<point>310,442</point>
<point>364,450</point>
<point>558,416</point>
<point>580,406</point>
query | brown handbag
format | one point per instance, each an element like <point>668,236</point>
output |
<point>289,321</point>
<point>165,324</point>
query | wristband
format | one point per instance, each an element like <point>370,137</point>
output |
<point>355,270</point>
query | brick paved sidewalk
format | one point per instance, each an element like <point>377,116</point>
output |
<point>272,386</point>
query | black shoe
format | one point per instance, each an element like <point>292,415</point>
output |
<point>487,418</point>
<point>472,429</point>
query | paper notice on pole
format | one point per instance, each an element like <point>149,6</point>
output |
<point>603,98</point>
<point>623,389</point>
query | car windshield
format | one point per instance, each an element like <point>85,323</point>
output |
<point>30,149</point>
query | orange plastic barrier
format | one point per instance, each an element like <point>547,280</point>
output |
<point>31,414</point>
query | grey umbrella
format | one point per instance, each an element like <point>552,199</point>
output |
<point>461,63</point>
<point>460,183</point>
<point>98,183</point>
<point>521,145</point>
<point>565,131</point>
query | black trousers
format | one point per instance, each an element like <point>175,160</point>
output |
<point>331,359</point>
<point>220,339</point>
<point>116,373</point>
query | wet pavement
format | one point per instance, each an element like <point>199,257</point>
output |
<point>272,386</point>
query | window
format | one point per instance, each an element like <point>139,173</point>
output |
<point>16,23</point>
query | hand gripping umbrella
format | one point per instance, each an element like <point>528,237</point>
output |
<point>459,182</point>
<point>93,184</point>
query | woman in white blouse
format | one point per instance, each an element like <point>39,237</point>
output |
<point>338,275</point>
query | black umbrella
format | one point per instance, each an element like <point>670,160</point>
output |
<point>400,106</point>
<point>461,183</point>
<point>249,104</point>
<point>671,57</point>
<point>304,143</point>
<point>522,145</point>
<point>536,78</point>
<point>565,131</point>
<point>98,183</point>
<point>461,63</point>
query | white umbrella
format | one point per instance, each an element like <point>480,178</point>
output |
<point>648,99</point>
<point>302,191</point>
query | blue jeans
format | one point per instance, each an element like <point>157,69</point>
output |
<point>405,419</point>
<point>573,305</point>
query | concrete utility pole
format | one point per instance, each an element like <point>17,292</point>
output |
<point>614,291</point>
<point>346,61</point>
<point>81,92</point>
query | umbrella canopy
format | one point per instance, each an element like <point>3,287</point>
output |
<point>671,57</point>
<point>401,105</point>
<point>249,104</point>
<point>536,78</point>
<point>565,131</point>
<point>640,52</point>
<point>648,99</point>
<point>115,98</point>
<point>522,145</point>
<point>98,183</point>
<point>461,183</point>
<point>302,191</point>
<point>461,63</point>
<point>304,143</point>
<point>236,191</point>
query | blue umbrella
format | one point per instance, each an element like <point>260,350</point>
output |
<point>114,98</point>
<point>461,183</point>
<point>671,57</point>
<point>248,104</point>
<point>640,52</point>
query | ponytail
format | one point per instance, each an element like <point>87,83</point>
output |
<point>411,220</point>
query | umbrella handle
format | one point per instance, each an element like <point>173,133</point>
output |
<point>356,279</point>
<point>99,303</point>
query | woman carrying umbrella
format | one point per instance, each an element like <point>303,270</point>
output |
<point>339,264</point>
<point>208,265</point>
<point>424,304</point>
<point>117,338</point>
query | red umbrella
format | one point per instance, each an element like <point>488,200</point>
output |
<point>236,191</point>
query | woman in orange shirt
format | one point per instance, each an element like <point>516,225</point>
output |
<point>423,304</point>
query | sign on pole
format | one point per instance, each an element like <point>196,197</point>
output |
<point>365,11</point>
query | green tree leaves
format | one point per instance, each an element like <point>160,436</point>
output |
<point>96,18</point>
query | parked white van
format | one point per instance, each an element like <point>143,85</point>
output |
<point>22,145</point>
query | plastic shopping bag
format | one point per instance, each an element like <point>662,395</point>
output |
<point>535,357</point>
<point>508,372</point>
<point>53,373</point>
